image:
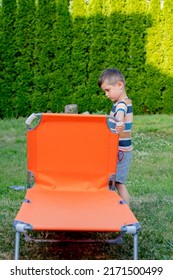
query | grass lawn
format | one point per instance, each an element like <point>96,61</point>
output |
<point>150,184</point>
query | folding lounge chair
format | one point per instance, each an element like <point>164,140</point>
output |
<point>73,161</point>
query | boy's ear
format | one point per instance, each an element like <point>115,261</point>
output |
<point>120,83</point>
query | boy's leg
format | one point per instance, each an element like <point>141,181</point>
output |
<point>122,191</point>
<point>123,164</point>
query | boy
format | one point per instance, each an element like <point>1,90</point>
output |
<point>112,82</point>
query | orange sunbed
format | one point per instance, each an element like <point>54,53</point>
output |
<point>73,161</point>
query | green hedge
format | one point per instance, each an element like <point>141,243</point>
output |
<point>52,52</point>
<point>8,57</point>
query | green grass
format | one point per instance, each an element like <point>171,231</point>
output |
<point>150,184</point>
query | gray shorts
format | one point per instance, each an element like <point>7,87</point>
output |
<point>123,165</point>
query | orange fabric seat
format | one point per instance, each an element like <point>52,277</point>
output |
<point>72,158</point>
<point>80,211</point>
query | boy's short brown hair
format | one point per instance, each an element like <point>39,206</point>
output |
<point>112,75</point>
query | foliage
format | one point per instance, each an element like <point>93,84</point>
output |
<point>8,52</point>
<point>52,53</point>
<point>24,44</point>
<point>44,55</point>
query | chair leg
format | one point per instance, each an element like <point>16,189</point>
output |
<point>135,246</point>
<point>17,245</point>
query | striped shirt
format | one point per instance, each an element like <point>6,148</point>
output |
<point>125,105</point>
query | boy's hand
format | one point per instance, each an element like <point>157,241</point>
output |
<point>120,126</point>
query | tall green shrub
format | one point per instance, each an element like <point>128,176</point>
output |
<point>61,91</point>
<point>136,23</point>
<point>1,53</point>
<point>80,53</point>
<point>24,44</point>
<point>97,54</point>
<point>44,55</point>
<point>167,66</point>
<point>8,57</point>
<point>154,59</point>
<point>116,35</point>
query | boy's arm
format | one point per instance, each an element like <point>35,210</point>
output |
<point>120,126</point>
<point>120,114</point>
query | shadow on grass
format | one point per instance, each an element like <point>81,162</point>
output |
<point>78,251</point>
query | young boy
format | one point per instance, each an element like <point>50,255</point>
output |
<point>112,82</point>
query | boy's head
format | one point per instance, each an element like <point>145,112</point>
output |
<point>112,82</point>
<point>111,76</point>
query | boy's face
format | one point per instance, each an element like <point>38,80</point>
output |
<point>113,92</point>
